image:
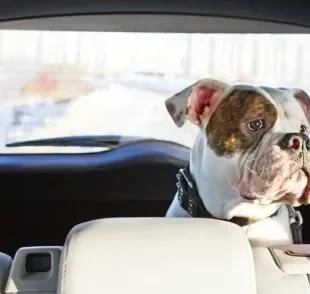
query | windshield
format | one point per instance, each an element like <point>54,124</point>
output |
<point>56,84</point>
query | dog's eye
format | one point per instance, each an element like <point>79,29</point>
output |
<point>256,125</point>
<point>303,128</point>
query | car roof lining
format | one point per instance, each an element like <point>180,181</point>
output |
<point>168,23</point>
<point>221,12</point>
<point>296,12</point>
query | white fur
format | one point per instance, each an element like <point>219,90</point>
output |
<point>215,177</point>
<point>267,232</point>
<point>222,201</point>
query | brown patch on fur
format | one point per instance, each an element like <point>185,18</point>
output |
<point>227,130</point>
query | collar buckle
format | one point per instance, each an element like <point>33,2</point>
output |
<point>296,222</point>
<point>296,218</point>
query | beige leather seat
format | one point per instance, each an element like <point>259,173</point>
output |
<point>280,272</point>
<point>167,256</point>
<point>160,256</point>
<point>5,265</point>
<point>34,270</point>
<point>157,256</point>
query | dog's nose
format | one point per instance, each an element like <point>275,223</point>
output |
<point>295,141</point>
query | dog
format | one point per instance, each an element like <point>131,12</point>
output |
<point>251,158</point>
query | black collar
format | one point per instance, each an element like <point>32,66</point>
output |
<point>191,202</point>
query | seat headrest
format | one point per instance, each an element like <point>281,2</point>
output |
<point>157,256</point>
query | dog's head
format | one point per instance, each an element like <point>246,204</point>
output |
<point>263,130</point>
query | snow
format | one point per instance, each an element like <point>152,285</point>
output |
<point>113,110</point>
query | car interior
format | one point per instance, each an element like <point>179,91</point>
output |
<point>68,220</point>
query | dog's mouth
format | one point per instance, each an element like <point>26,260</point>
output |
<point>249,198</point>
<point>256,200</point>
<point>303,198</point>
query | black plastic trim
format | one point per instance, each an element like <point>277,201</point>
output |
<point>134,153</point>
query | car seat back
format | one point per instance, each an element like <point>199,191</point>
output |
<point>157,255</point>
<point>34,271</point>
<point>5,266</point>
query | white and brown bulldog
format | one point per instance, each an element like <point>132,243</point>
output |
<point>252,154</point>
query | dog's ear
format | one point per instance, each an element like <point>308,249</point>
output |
<point>196,102</point>
<point>304,101</point>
